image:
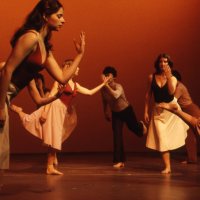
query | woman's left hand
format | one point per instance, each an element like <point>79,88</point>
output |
<point>80,46</point>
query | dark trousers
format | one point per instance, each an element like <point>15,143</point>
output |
<point>128,117</point>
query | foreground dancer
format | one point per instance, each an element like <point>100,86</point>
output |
<point>31,53</point>
<point>187,105</point>
<point>166,131</point>
<point>114,100</point>
<point>189,119</point>
<point>54,122</point>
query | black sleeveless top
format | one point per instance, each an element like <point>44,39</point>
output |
<point>24,74</point>
<point>161,94</point>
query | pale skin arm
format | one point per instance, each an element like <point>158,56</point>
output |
<point>34,93</point>
<point>87,91</point>
<point>148,97</point>
<point>171,80</point>
<point>23,47</point>
<point>63,75</point>
<point>46,108</point>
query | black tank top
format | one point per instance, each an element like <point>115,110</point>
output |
<point>24,74</point>
<point>161,94</point>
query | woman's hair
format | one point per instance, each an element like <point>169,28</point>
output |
<point>35,20</point>
<point>110,70</point>
<point>177,75</point>
<point>157,62</point>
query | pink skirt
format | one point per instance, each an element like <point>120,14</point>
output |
<point>61,121</point>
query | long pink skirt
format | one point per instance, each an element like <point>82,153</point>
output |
<point>59,124</point>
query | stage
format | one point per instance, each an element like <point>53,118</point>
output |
<point>90,176</point>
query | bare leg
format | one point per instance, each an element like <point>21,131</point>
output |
<point>18,110</point>
<point>55,162</point>
<point>166,160</point>
<point>191,148</point>
<point>50,163</point>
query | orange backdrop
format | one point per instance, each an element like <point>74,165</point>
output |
<point>128,34</point>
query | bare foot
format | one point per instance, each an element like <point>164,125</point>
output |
<point>15,108</point>
<point>52,171</point>
<point>166,171</point>
<point>119,165</point>
<point>169,106</point>
<point>189,162</point>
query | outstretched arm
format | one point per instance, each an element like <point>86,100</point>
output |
<point>87,91</point>
<point>189,119</point>
<point>63,75</point>
<point>148,96</point>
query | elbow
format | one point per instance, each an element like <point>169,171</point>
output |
<point>90,93</point>
<point>172,91</point>
<point>116,96</point>
<point>39,102</point>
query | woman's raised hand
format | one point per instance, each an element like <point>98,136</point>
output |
<point>80,46</point>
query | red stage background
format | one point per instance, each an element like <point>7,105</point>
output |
<point>128,34</point>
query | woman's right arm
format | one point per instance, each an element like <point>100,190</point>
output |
<point>23,47</point>
<point>106,109</point>
<point>148,96</point>
<point>63,75</point>
<point>40,101</point>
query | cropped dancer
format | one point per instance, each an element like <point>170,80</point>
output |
<point>31,53</point>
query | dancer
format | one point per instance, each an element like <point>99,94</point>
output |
<point>166,131</point>
<point>114,100</point>
<point>54,122</point>
<point>191,120</point>
<point>31,53</point>
<point>187,105</point>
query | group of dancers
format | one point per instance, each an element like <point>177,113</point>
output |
<point>55,118</point>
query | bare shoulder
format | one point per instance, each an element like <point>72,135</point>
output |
<point>150,77</point>
<point>30,37</point>
<point>118,85</point>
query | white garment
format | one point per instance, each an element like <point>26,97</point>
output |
<point>166,130</point>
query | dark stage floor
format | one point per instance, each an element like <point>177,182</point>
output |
<point>90,176</point>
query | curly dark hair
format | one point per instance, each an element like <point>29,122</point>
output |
<point>110,70</point>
